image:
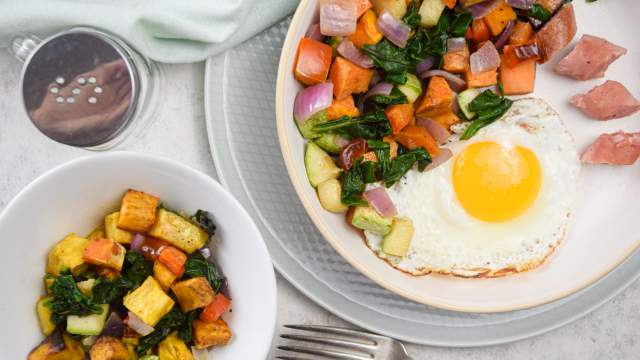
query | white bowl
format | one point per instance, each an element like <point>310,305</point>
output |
<point>603,230</point>
<point>74,197</point>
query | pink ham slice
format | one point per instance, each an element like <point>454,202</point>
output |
<point>619,148</point>
<point>556,34</point>
<point>610,100</point>
<point>589,59</point>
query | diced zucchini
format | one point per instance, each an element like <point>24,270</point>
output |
<point>86,286</point>
<point>178,231</point>
<point>67,254</point>
<point>112,231</point>
<point>87,325</point>
<point>306,128</point>
<point>329,142</point>
<point>366,218</point>
<point>149,302</point>
<point>44,316</point>
<point>397,8</point>
<point>430,12</point>
<point>465,98</point>
<point>412,88</point>
<point>320,166</point>
<point>398,240</point>
<point>329,195</point>
<point>97,233</point>
<point>138,211</point>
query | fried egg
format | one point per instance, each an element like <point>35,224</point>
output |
<point>499,205</point>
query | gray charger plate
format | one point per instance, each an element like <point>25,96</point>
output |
<point>240,115</point>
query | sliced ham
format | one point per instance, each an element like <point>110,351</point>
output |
<point>556,34</point>
<point>619,148</point>
<point>610,100</point>
<point>590,58</point>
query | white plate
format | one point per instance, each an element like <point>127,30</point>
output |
<point>74,198</point>
<point>602,232</point>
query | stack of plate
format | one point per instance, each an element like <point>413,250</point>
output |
<point>239,103</point>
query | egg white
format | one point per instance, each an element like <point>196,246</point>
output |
<point>447,239</point>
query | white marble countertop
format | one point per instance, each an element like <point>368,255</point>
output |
<point>611,332</point>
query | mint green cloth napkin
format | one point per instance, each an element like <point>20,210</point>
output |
<point>165,30</point>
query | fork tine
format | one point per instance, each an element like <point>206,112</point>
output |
<point>357,345</point>
<point>340,355</point>
<point>337,331</point>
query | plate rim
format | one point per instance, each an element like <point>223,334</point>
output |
<point>362,316</point>
<point>320,224</point>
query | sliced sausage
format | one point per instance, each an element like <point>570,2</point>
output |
<point>556,34</point>
<point>610,100</point>
<point>590,58</point>
<point>619,148</point>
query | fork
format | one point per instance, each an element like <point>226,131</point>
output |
<point>342,344</point>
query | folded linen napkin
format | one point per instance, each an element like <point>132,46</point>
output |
<point>165,30</point>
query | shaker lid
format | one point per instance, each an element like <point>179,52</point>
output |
<point>79,87</point>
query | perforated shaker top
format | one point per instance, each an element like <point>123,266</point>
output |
<point>80,88</point>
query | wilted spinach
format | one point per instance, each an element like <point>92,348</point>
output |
<point>203,219</point>
<point>539,12</point>
<point>173,320</point>
<point>67,299</point>
<point>197,266</point>
<point>136,269</point>
<point>373,125</point>
<point>489,107</point>
<point>412,17</point>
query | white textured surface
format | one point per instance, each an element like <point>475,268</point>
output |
<point>179,133</point>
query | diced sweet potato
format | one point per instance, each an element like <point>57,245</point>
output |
<point>173,348</point>
<point>367,32</point>
<point>58,346</point>
<point>67,255</point>
<point>344,107</point>
<point>437,100</point>
<point>414,137</point>
<point>105,252</point>
<point>550,5</point>
<point>178,231</point>
<point>113,232</point>
<point>193,293</point>
<point>479,31</point>
<point>446,120</point>
<point>218,306</point>
<point>108,348</point>
<point>498,19</point>
<point>393,146</point>
<point>138,211</point>
<point>370,156</point>
<point>97,233</point>
<point>207,334</point>
<point>313,61</point>
<point>522,33</point>
<point>519,79</point>
<point>163,275</point>
<point>457,62</point>
<point>479,80</point>
<point>149,302</point>
<point>173,259</point>
<point>348,78</point>
<point>399,116</point>
<point>363,6</point>
<point>449,3</point>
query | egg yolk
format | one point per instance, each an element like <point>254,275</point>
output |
<point>494,182</point>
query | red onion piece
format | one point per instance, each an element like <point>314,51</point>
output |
<point>380,201</point>
<point>206,252</point>
<point>484,59</point>
<point>393,29</point>
<point>338,17</point>
<point>199,354</point>
<point>136,324</point>
<point>426,64</point>
<point>504,37</point>
<point>383,88</point>
<point>311,100</point>
<point>314,33</point>
<point>456,83</point>
<point>521,4</point>
<point>478,11</point>
<point>456,44</point>
<point>349,51</point>
<point>113,326</point>
<point>137,242</point>
<point>445,154</point>
<point>439,132</point>
<point>526,52</point>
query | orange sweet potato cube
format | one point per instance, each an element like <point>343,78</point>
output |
<point>312,62</point>
<point>348,78</point>
<point>104,252</point>
<point>437,100</point>
<point>367,32</point>
<point>344,107</point>
<point>479,80</point>
<point>456,62</point>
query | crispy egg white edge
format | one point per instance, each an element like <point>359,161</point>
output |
<point>524,113</point>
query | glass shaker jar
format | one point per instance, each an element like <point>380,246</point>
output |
<point>87,88</point>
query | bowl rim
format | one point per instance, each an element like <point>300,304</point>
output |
<point>165,162</point>
<point>289,50</point>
